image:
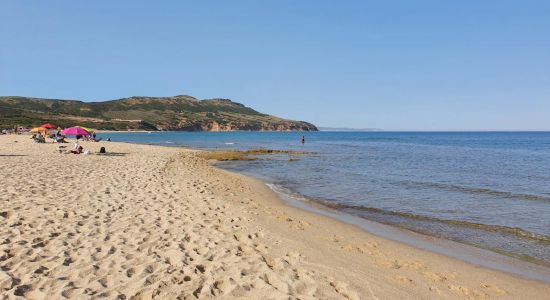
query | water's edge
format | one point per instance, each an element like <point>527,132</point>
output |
<point>449,248</point>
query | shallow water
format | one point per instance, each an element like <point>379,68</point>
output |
<point>488,189</point>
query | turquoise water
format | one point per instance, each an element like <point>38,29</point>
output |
<point>487,189</point>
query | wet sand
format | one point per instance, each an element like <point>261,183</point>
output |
<point>157,222</point>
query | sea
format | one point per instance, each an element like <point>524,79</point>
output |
<point>489,190</point>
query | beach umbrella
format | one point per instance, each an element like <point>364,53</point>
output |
<point>86,128</point>
<point>75,131</point>
<point>39,129</point>
<point>47,126</point>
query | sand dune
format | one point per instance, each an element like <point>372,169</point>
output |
<point>157,222</point>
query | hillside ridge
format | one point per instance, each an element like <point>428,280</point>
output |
<point>181,112</point>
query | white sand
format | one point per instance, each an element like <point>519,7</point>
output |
<point>155,222</point>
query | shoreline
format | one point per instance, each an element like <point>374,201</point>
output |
<point>464,252</point>
<point>499,259</point>
<point>172,216</point>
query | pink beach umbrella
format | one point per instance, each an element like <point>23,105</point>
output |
<point>75,131</point>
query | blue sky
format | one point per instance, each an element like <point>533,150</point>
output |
<point>395,65</point>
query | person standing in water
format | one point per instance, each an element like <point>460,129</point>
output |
<point>303,139</point>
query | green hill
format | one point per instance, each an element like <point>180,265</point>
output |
<point>184,113</point>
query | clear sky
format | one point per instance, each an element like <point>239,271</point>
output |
<point>394,65</point>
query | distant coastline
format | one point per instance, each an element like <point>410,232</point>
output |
<point>177,113</point>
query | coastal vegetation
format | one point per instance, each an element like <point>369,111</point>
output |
<point>184,113</point>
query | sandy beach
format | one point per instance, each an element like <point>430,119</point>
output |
<point>157,222</point>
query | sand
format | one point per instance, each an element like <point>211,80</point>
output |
<point>157,222</point>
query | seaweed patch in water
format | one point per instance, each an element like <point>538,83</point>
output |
<point>227,155</point>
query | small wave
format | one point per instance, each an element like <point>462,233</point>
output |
<point>230,143</point>
<point>473,190</point>
<point>280,189</point>
<point>168,142</point>
<point>514,231</point>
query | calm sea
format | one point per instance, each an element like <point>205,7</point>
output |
<point>487,189</point>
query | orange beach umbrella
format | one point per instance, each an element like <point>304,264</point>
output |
<point>39,129</point>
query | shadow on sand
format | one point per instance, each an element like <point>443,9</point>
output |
<point>112,154</point>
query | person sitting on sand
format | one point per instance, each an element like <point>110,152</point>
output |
<point>60,139</point>
<point>39,138</point>
<point>77,151</point>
